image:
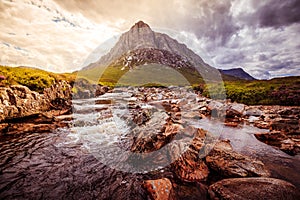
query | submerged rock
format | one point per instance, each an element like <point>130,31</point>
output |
<point>228,163</point>
<point>253,188</point>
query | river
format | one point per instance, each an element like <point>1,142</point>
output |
<point>83,160</point>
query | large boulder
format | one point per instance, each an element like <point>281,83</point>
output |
<point>189,166</point>
<point>252,189</point>
<point>223,160</point>
<point>19,101</point>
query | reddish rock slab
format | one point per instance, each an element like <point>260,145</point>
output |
<point>253,189</point>
<point>228,163</point>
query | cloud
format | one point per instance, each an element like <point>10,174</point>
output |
<point>260,36</point>
<point>278,13</point>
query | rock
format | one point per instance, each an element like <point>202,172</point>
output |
<point>290,144</point>
<point>100,90</point>
<point>262,124</point>
<point>190,167</point>
<point>217,109</point>
<point>252,189</point>
<point>18,101</point>
<point>194,191</point>
<point>158,189</point>
<point>253,112</point>
<point>231,124</point>
<point>235,110</point>
<point>228,163</point>
<point>286,125</point>
<point>59,95</point>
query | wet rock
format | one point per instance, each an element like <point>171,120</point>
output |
<point>228,163</point>
<point>253,112</point>
<point>262,124</point>
<point>286,125</point>
<point>217,109</point>
<point>189,166</point>
<point>190,191</point>
<point>158,189</point>
<point>235,110</point>
<point>290,144</point>
<point>231,124</point>
<point>253,188</point>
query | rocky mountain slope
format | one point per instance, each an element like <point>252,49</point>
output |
<point>142,45</point>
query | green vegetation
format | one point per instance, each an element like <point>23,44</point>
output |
<point>33,78</point>
<point>278,91</point>
<point>162,75</point>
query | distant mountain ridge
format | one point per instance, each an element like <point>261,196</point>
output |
<point>238,73</point>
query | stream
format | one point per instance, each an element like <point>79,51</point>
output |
<point>84,161</point>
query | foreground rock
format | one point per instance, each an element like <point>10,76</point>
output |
<point>189,166</point>
<point>228,163</point>
<point>253,188</point>
<point>158,189</point>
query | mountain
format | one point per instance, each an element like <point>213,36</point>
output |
<point>238,73</point>
<point>142,46</point>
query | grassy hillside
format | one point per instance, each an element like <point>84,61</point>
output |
<point>162,75</point>
<point>278,91</point>
<point>33,78</point>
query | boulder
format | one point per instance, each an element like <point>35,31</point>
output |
<point>228,163</point>
<point>217,109</point>
<point>19,101</point>
<point>189,166</point>
<point>252,189</point>
<point>253,112</point>
<point>235,110</point>
<point>158,189</point>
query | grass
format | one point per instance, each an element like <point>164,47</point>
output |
<point>278,91</point>
<point>33,78</point>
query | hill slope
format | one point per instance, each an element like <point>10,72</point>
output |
<point>238,73</point>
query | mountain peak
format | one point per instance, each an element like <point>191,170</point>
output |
<point>140,24</point>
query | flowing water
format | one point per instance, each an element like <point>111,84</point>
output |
<point>83,160</point>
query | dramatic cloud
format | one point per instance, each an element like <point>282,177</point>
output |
<point>259,36</point>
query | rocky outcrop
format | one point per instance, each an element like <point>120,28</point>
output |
<point>223,160</point>
<point>59,95</point>
<point>253,188</point>
<point>19,101</point>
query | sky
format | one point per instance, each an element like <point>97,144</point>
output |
<point>262,37</point>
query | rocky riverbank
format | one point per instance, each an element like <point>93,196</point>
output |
<point>192,163</point>
<point>25,111</point>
